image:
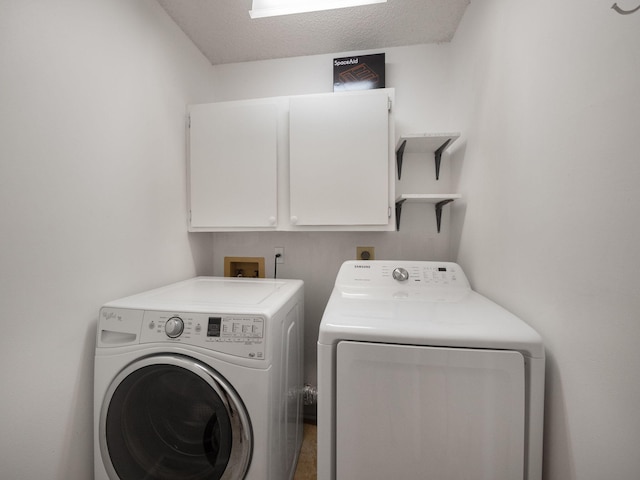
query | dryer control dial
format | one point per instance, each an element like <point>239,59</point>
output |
<point>174,327</point>
<point>400,274</point>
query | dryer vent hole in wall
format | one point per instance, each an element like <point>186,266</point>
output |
<point>365,253</point>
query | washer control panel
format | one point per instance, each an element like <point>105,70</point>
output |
<point>234,334</point>
<point>235,328</point>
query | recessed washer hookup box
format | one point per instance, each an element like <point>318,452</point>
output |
<point>362,72</point>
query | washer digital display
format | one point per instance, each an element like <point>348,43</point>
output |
<point>213,328</point>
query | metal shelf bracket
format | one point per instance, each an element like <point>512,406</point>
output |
<point>398,213</point>
<point>439,206</point>
<point>438,156</point>
<point>399,155</point>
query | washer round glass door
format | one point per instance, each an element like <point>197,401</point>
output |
<point>170,417</point>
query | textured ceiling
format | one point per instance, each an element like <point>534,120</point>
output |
<point>224,32</point>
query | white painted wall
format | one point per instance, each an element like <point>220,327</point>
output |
<point>420,75</point>
<point>92,204</point>
<point>547,98</point>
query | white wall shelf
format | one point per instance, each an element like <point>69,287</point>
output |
<point>434,143</point>
<point>440,200</point>
<point>424,143</point>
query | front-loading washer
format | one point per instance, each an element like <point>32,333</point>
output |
<point>200,380</point>
<point>421,377</point>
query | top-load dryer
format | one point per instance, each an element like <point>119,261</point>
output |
<point>201,379</point>
<point>421,377</point>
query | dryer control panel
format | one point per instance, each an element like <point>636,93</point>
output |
<point>391,274</point>
<point>240,335</point>
<point>401,280</point>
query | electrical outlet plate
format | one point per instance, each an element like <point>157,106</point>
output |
<point>365,253</point>
<point>279,250</point>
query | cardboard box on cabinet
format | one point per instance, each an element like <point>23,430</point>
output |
<point>362,72</point>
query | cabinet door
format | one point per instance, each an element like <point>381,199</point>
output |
<point>339,159</point>
<point>233,165</point>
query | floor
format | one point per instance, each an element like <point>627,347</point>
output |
<point>306,469</point>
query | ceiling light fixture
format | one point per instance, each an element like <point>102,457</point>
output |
<point>273,8</point>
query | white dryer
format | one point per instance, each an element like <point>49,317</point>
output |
<point>201,379</point>
<point>421,377</point>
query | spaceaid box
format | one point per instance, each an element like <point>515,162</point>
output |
<point>362,72</point>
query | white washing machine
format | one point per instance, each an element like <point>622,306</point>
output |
<point>201,379</point>
<point>421,377</point>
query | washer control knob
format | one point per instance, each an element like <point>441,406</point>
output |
<point>400,274</point>
<point>174,327</point>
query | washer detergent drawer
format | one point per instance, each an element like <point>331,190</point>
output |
<point>424,412</point>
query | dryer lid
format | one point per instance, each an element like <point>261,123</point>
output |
<point>434,306</point>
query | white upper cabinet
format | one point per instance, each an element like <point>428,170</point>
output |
<point>339,159</point>
<point>310,162</point>
<point>233,165</point>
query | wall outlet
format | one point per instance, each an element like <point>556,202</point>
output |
<point>279,250</point>
<point>365,253</point>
